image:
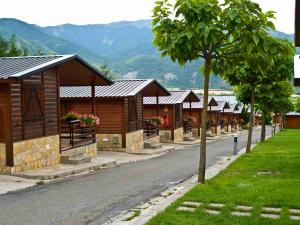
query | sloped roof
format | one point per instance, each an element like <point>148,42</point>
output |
<point>199,105</point>
<point>293,114</point>
<point>232,108</point>
<point>231,99</point>
<point>239,110</point>
<point>222,105</point>
<point>120,88</point>
<point>176,97</point>
<point>20,67</point>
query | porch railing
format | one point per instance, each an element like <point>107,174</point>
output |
<point>187,126</point>
<point>74,134</point>
<point>150,130</point>
<point>208,125</point>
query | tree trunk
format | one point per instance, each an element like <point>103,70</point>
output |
<point>249,142</point>
<point>202,161</point>
<point>263,128</point>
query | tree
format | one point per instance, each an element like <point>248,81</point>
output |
<point>266,61</point>
<point>193,29</point>
<point>9,48</point>
<point>297,105</point>
<point>107,72</point>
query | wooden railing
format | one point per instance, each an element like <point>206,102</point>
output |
<point>208,125</point>
<point>73,135</point>
<point>187,126</point>
<point>150,130</point>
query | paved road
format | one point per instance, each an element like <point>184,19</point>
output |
<point>93,199</point>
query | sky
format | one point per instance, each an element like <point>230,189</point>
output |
<point>55,12</point>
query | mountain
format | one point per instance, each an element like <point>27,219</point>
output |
<point>37,41</point>
<point>125,46</point>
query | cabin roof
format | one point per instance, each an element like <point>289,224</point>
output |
<point>176,97</point>
<point>222,105</point>
<point>120,88</point>
<point>23,66</point>
<point>233,107</point>
<point>293,114</point>
<point>239,110</point>
<point>199,105</point>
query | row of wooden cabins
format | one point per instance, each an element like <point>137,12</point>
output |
<point>37,92</point>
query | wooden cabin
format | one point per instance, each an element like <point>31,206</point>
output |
<point>292,120</point>
<point>236,116</point>
<point>30,131</point>
<point>169,109</point>
<point>216,117</point>
<point>192,112</point>
<point>120,109</point>
<point>228,117</point>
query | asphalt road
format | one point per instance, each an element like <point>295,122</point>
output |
<point>93,199</point>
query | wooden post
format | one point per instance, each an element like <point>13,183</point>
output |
<point>157,105</point>
<point>93,97</point>
<point>190,108</point>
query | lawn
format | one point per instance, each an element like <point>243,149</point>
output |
<point>268,177</point>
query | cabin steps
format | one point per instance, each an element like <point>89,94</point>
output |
<point>152,145</point>
<point>210,134</point>
<point>75,159</point>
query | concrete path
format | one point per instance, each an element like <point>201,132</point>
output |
<point>93,199</point>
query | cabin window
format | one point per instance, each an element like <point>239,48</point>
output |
<point>33,103</point>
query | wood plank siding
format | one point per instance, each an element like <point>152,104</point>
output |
<point>4,108</point>
<point>34,106</point>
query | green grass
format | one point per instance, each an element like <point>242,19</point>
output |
<point>269,176</point>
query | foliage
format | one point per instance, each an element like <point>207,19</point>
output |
<point>267,177</point>
<point>10,48</point>
<point>156,120</point>
<point>71,116</point>
<point>207,29</point>
<point>245,115</point>
<point>90,119</point>
<point>297,104</point>
<point>107,72</point>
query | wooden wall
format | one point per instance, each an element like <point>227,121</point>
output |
<point>292,122</point>
<point>111,112</point>
<point>4,108</point>
<point>23,129</point>
<point>151,111</point>
<point>196,114</point>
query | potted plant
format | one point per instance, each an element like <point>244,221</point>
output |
<point>191,119</point>
<point>90,120</point>
<point>156,120</point>
<point>71,116</point>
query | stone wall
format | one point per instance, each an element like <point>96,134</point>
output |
<point>2,154</point>
<point>196,134</point>
<point>155,140</point>
<point>218,131</point>
<point>88,150</point>
<point>229,128</point>
<point>36,153</point>
<point>165,136</point>
<point>135,141</point>
<point>109,142</point>
<point>178,135</point>
<point>113,142</point>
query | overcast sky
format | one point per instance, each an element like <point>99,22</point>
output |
<point>54,12</point>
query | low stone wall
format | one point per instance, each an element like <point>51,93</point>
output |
<point>165,136</point>
<point>178,135</point>
<point>218,131</point>
<point>196,134</point>
<point>35,153</point>
<point>155,140</point>
<point>88,150</point>
<point>134,141</point>
<point>109,142</point>
<point>113,142</point>
<point>2,154</point>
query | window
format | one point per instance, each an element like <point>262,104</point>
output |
<point>33,102</point>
